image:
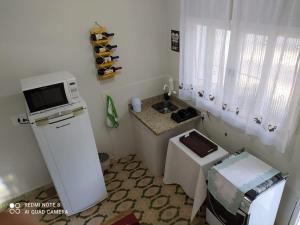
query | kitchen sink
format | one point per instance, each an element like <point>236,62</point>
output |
<point>165,107</point>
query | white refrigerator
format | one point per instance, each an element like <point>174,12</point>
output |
<point>68,146</point>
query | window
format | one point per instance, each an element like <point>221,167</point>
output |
<point>243,67</point>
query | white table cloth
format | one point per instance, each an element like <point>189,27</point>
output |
<point>186,168</point>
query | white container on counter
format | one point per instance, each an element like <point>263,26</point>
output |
<point>136,104</point>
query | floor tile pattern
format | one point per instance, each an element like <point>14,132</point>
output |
<point>130,187</point>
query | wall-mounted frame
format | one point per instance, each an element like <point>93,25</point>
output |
<point>175,40</point>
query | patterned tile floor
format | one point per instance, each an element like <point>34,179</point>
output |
<point>130,187</point>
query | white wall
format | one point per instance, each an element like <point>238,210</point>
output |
<point>41,36</point>
<point>215,128</point>
<point>173,21</point>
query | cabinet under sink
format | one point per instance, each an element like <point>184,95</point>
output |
<point>153,130</point>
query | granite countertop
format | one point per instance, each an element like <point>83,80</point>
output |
<point>157,122</point>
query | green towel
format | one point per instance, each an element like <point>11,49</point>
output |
<point>111,113</point>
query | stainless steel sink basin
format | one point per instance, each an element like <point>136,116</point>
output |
<point>165,107</point>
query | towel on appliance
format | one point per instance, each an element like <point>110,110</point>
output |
<point>111,113</point>
<point>229,181</point>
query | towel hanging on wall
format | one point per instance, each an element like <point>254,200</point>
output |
<point>111,113</point>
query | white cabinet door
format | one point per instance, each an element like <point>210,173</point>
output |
<point>74,154</point>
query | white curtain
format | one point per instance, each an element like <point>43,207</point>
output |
<point>240,61</point>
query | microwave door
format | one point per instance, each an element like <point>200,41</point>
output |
<point>46,97</point>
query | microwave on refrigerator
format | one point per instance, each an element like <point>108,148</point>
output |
<point>50,91</point>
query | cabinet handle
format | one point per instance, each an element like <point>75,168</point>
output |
<point>67,124</point>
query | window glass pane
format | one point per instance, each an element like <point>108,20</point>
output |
<point>282,75</point>
<point>211,57</point>
<point>250,66</point>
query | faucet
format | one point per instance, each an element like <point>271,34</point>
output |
<point>170,87</point>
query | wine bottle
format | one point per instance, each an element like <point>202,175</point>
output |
<point>101,60</point>
<point>99,49</point>
<point>113,69</point>
<point>101,36</point>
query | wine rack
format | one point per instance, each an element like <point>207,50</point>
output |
<point>100,39</point>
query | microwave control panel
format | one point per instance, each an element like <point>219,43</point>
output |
<point>74,93</point>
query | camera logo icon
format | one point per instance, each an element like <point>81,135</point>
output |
<point>14,208</point>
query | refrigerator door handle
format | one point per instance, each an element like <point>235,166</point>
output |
<point>64,125</point>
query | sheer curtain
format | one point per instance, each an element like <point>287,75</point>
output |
<point>240,61</point>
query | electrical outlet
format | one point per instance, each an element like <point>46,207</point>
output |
<point>19,120</point>
<point>23,118</point>
<point>203,115</point>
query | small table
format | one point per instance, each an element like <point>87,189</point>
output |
<point>186,168</point>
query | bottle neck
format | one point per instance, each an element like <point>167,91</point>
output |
<point>108,34</point>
